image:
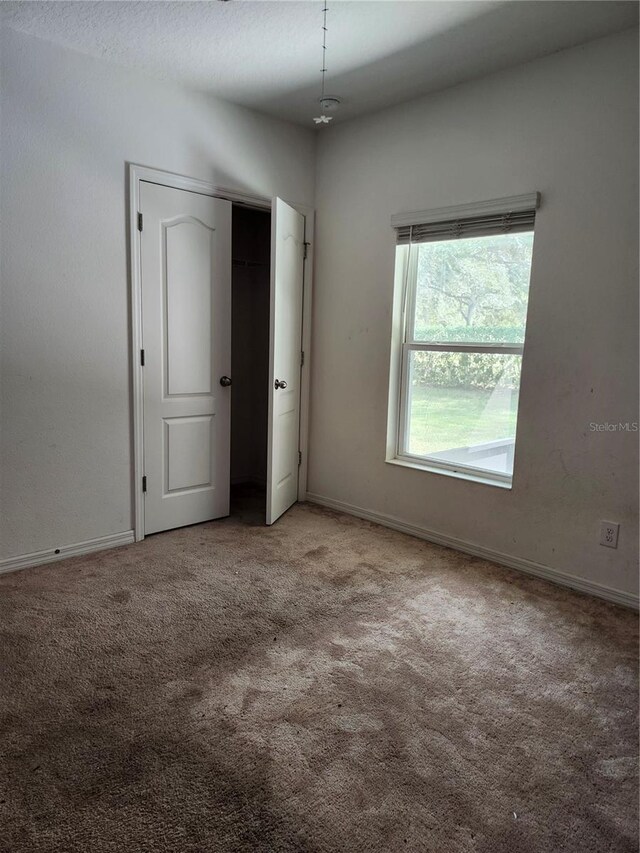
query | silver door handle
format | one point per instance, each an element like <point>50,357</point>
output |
<point>280,384</point>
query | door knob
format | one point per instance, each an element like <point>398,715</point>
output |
<point>280,384</point>
<point>225,381</point>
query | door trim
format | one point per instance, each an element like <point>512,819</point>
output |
<point>137,173</point>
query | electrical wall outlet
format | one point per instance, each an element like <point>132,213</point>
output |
<point>609,533</point>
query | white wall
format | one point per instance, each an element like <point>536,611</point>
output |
<point>69,125</point>
<point>566,126</point>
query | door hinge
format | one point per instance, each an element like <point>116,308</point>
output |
<point>139,222</point>
<point>299,458</point>
<point>142,357</point>
<point>144,484</point>
<point>305,250</point>
<point>302,359</point>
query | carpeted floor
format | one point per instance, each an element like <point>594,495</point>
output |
<point>323,685</point>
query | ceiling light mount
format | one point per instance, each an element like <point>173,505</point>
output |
<point>329,103</point>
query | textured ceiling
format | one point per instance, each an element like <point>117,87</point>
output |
<point>266,54</point>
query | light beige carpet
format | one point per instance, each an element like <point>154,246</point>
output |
<point>323,685</point>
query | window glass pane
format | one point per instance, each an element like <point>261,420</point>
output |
<point>462,408</point>
<point>473,290</point>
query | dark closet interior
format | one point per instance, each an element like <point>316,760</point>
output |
<point>250,306</point>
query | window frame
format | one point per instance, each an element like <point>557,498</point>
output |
<point>402,345</point>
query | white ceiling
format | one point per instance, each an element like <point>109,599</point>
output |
<point>266,54</point>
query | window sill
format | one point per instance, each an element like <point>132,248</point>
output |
<point>484,480</point>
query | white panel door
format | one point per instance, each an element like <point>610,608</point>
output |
<point>285,349</point>
<point>185,249</point>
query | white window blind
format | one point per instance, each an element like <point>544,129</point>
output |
<point>498,216</point>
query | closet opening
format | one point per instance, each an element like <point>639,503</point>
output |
<point>250,312</point>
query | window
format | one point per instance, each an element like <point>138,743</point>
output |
<point>462,287</point>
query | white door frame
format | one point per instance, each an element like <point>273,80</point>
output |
<point>136,174</point>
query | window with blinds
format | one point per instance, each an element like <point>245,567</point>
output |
<point>462,287</point>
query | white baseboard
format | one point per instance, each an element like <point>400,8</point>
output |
<point>51,555</point>
<point>529,567</point>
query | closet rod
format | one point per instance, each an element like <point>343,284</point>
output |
<point>239,262</point>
